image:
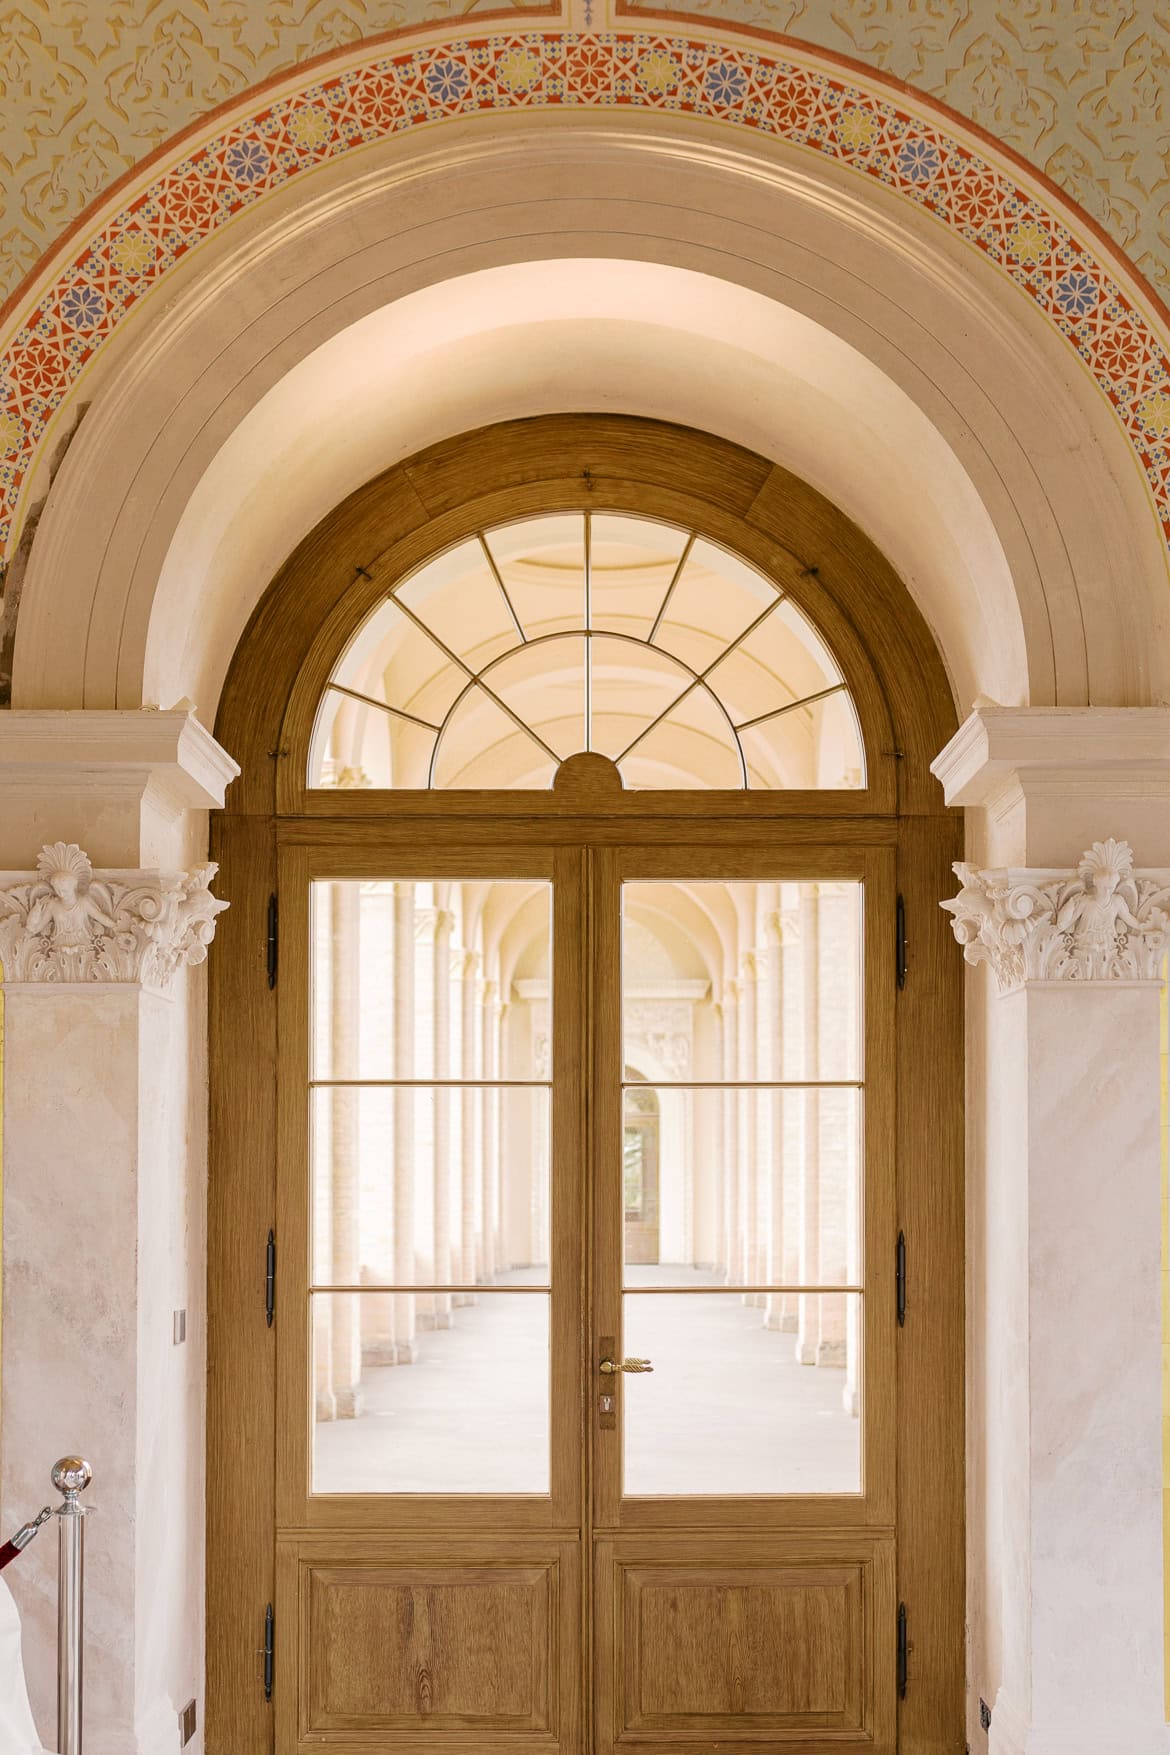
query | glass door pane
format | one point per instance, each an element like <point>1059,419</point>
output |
<point>429,1129</point>
<point>741,1187</point>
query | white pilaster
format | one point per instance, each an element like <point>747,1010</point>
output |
<point>1064,1176</point>
<point>104,1163</point>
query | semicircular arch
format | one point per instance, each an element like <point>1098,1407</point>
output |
<point>361,553</point>
<point>991,303</point>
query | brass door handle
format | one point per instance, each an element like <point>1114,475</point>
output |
<point>610,1367</point>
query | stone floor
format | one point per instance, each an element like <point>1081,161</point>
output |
<point>727,1409</point>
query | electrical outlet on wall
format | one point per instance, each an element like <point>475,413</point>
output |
<point>186,1724</point>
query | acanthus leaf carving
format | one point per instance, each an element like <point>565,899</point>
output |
<point>1102,922</point>
<point>70,924</point>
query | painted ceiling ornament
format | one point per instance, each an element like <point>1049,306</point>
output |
<point>69,923</point>
<point>1103,922</point>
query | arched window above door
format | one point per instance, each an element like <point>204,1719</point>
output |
<point>635,639</point>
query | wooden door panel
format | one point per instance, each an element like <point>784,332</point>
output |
<point>705,1642</point>
<point>456,1648</point>
<point>430,1647</point>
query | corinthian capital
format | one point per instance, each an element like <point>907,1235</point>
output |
<point>67,923</point>
<point>1102,922</point>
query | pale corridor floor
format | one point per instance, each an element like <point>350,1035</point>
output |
<point>727,1409</point>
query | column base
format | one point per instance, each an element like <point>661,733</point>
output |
<point>347,1404</point>
<point>831,1353</point>
<point>383,1352</point>
<point>1009,1735</point>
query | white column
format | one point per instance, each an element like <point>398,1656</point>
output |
<point>404,1098</point>
<point>838,939</point>
<point>104,1119</point>
<point>441,1156</point>
<point>345,1313</point>
<point>749,1179</point>
<point>1065,1342</point>
<point>471,1131</point>
<point>778,1314</point>
<point>719,1166</point>
<point>733,1227</point>
<point>490,1112</point>
<point>808,1336</point>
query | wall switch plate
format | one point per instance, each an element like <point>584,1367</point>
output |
<point>180,1327</point>
<point>186,1724</point>
<point>985,1715</point>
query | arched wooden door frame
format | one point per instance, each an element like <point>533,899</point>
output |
<point>321,594</point>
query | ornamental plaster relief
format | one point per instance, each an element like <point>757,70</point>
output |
<point>1081,88</point>
<point>71,924</point>
<point>88,89</point>
<point>1103,922</point>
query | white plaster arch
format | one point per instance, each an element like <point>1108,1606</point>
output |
<point>645,266</point>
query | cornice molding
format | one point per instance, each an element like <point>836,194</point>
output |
<point>1103,922</point>
<point>1037,748</point>
<point>169,754</point>
<point>68,925</point>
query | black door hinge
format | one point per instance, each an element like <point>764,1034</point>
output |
<point>268,1649</point>
<point>900,952</point>
<point>900,1278</point>
<point>270,1279</point>
<point>267,1652</point>
<point>273,939</point>
<point>903,1651</point>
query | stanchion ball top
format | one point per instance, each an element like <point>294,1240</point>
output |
<point>72,1475</point>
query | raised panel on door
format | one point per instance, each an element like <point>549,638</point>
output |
<point>431,1645</point>
<point>713,1641</point>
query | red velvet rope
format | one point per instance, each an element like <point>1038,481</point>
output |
<point>8,1552</point>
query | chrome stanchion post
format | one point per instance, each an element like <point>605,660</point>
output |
<point>71,1476</point>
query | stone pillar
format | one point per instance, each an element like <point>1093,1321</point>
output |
<point>104,1137</point>
<point>345,1338</point>
<point>749,1130</point>
<point>733,1229</point>
<point>404,1262</point>
<point>441,1155</point>
<point>469,1168</point>
<point>502,1142</point>
<point>780,1309</point>
<point>838,939</point>
<point>490,1192</point>
<point>719,1156</point>
<point>808,1319</point>
<point>1064,1223</point>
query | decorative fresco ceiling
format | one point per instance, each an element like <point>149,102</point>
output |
<point>88,88</point>
<point>914,149</point>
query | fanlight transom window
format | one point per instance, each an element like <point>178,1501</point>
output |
<point>636,640</point>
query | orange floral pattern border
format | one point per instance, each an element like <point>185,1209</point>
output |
<point>107,274</point>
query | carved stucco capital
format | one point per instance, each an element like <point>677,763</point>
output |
<point>1102,922</point>
<point>69,924</point>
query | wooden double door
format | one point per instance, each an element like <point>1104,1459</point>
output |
<point>532,1492</point>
